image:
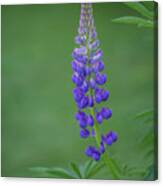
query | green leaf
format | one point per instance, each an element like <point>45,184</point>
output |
<point>148,139</point>
<point>57,172</point>
<point>39,170</point>
<point>87,167</point>
<point>140,8</point>
<point>76,169</point>
<point>95,170</point>
<point>137,171</point>
<point>61,173</point>
<point>140,22</point>
<point>116,165</point>
<point>147,113</point>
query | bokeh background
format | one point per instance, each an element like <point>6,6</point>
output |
<point>38,126</point>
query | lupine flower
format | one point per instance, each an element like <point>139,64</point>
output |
<point>88,77</point>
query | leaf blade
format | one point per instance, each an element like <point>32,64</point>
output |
<point>140,8</point>
<point>76,169</point>
<point>56,171</point>
<point>95,170</point>
<point>140,22</point>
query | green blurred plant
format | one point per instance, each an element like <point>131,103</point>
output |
<point>146,18</point>
<point>145,145</point>
<point>90,168</point>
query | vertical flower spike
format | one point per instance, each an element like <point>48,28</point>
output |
<point>89,79</point>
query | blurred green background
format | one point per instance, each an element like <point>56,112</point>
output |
<point>38,126</point>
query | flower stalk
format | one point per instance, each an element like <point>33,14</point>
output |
<point>87,75</point>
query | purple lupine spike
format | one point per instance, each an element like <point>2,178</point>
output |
<point>87,66</point>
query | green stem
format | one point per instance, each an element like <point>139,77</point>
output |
<point>106,159</point>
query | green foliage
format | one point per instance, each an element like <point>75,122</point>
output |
<point>88,170</point>
<point>145,145</point>
<point>76,169</point>
<point>141,9</point>
<point>140,22</point>
<point>56,172</point>
<point>145,21</point>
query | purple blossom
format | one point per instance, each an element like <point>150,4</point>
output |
<point>88,77</point>
<point>84,133</point>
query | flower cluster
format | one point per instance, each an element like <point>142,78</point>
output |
<point>87,75</point>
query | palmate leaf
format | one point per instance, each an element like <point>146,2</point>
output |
<point>61,173</point>
<point>88,166</point>
<point>56,172</point>
<point>91,168</point>
<point>88,170</point>
<point>76,169</point>
<point>140,8</point>
<point>140,22</point>
<point>94,170</point>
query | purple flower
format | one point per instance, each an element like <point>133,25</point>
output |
<point>98,66</point>
<point>83,102</point>
<point>87,66</point>
<point>84,133</point>
<point>90,120</point>
<point>96,57</point>
<point>114,137</point>
<point>102,148</point>
<point>85,86</point>
<point>89,151</point>
<point>99,118</point>
<point>92,83</point>
<point>90,102</point>
<point>109,138</point>
<point>79,115</point>
<point>96,156</point>
<point>106,113</point>
<point>77,79</point>
<point>100,78</point>
<point>78,94</point>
